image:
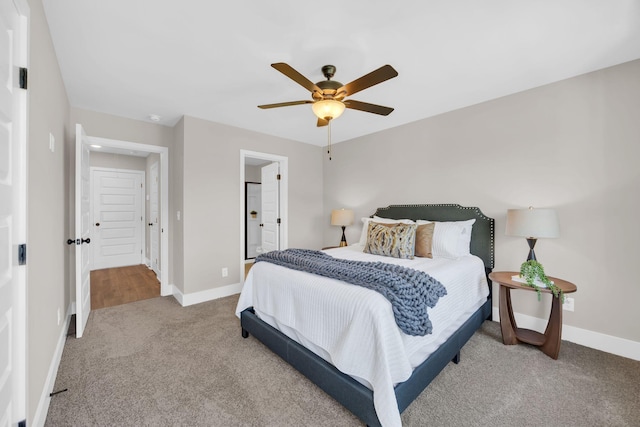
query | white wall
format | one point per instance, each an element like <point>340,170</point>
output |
<point>117,161</point>
<point>572,145</point>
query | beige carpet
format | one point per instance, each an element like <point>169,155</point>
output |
<point>154,363</point>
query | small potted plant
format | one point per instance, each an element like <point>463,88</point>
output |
<point>253,214</point>
<point>533,273</point>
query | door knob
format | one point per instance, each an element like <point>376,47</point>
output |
<point>261,225</point>
<point>150,224</point>
<point>70,241</point>
<point>87,240</point>
<point>97,224</point>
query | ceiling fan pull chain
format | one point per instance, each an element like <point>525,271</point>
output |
<point>329,134</point>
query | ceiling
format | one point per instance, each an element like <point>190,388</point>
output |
<point>211,59</point>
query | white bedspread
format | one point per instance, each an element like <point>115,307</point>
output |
<point>353,327</point>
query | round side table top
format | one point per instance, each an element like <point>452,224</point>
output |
<point>504,279</point>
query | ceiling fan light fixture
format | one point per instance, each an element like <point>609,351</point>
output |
<point>328,109</point>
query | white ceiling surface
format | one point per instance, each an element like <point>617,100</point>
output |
<point>211,59</point>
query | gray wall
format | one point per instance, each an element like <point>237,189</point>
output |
<point>211,204</point>
<point>573,146</point>
<point>176,195</point>
<point>47,227</point>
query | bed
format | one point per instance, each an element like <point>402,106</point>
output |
<point>396,378</point>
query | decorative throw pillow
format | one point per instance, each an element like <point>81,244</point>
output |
<point>424,239</point>
<point>365,227</point>
<point>392,240</point>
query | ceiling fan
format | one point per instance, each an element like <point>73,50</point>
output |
<point>328,95</point>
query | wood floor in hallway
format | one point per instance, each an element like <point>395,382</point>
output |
<point>122,285</point>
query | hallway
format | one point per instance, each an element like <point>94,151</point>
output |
<point>122,285</point>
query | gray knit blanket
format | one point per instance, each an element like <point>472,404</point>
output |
<point>410,291</point>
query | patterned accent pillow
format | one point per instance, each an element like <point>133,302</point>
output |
<point>393,240</point>
<point>424,240</point>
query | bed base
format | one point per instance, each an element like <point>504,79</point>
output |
<point>348,392</point>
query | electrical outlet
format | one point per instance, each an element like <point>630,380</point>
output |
<point>568,304</point>
<point>225,272</point>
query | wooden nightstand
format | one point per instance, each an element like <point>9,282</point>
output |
<point>549,342</point>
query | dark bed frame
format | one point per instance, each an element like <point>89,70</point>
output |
<point>349,392</point>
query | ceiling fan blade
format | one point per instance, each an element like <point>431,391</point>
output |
<point>288,71</point>
<point>380,75</point>
<point>284,104</point>
<point>369,108</point>
<point>322,122</point>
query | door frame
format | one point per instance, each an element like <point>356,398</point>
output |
<point>284,200</point>
<point>154,231</point>
<point>165,286</point>
<point>142,195</point>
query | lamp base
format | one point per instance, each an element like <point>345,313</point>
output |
<point>343,241</point>
<point>532,255</point>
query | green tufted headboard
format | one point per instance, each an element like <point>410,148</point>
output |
<point>482,233</point>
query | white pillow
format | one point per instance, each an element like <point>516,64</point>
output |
<point>451,239</point>
<point>365,225</point>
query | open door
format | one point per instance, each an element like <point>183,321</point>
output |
<point>13,113</point>
<point>83,277</point>
<point>270,207</point>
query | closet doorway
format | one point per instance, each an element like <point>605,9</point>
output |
<point>264,205</point>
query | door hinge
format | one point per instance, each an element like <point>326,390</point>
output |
<point>22,254</point>
<point>278,177</point>
<point>23,78</point>
<point>278,221</point>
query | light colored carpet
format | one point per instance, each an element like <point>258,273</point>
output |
<point>155,363</point>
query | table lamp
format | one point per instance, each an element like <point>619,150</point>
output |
<point>532,224</point>
<point>342,217</point>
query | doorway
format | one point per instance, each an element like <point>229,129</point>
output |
<point>272,216</point>
<point>84,146</point>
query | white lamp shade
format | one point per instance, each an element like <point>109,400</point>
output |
<point>342,217</point>
<point>532,223</point>
<point>328,109</point>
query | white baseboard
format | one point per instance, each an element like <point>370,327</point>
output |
<point>43,404</point>
<point>607,343</point>
<point>208,295</point>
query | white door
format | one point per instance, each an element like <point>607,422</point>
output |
<point>254,232</point>
<point>83,231</point>
<point>270,207</point>
<point>117,218</point>
<point>12,221</point>
<point>154,224</point>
